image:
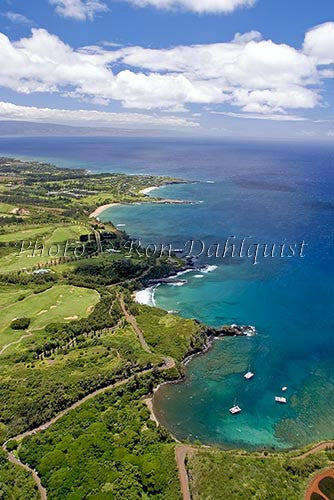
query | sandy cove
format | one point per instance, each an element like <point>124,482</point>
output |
<point>160,201</point>
<point>148,189</point>
<point>98,211</point>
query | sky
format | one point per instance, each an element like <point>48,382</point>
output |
<point>225,68</point>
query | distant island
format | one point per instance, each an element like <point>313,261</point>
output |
<point>14,128</point>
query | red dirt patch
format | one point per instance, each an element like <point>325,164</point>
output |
<point>313,491</point>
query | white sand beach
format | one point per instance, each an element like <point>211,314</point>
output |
<point>148,190</point>
<point>101,209</point>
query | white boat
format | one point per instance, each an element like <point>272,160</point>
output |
<point>249,375</point>
<point>235,409</point>
<point>284,389</point>
<point>279,399</point>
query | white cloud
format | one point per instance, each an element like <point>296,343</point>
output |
<point>15,17</point>
<point>272,117</point>
<point>79,9</point>
<point>247,37</point>
<point>9,111</point>
<point>319,43</point>
<point>257,76</point>
<point>199,6</point>
<point>278,100</point>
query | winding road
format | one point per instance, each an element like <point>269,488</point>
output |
<point>318,447</point>
<point>15,342</point>
<point>75,405</point>
<point>181,451</point>
<point>14,460</point>
<point>168,363</point>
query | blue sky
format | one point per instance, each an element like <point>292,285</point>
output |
<point>231,68</point>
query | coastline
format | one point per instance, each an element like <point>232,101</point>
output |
<point>163,201</point>
<point>210,335</point>
<point>149,189</point>
<point>98,211</point>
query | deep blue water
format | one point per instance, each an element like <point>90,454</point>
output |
<point>274,193</point>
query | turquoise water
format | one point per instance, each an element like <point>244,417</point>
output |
<point>289,300</point>
<point>274,193</point>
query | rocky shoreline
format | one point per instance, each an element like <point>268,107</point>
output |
<point>212,334</point>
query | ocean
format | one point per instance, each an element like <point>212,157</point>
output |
<point>268,193</point>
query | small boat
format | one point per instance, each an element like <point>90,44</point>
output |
<point>279,399</point>
<point>249,375</point>
<point>284,389</point>
<point>235,409</point>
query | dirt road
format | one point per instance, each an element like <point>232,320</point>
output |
<point>41,489</point>
<point>313,487</point>
<point>168,363</point>
<point>181,453</point>
<point>132,320</point>
<point>318,447</point>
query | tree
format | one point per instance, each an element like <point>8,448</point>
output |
<point>20,323</point>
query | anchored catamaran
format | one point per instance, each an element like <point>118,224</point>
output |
<point>235,409</point>
<point>279,399</point>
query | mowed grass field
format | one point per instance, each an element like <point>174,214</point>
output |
<point>52,233</point>
<point>9,294</point>
<point>6,208</point>
<point>46,235</point>
<point>61,303</point>
<point>25,233</point>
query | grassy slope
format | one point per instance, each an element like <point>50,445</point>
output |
<point>9,294</point>
<point>221,475</point>
<point>6,208</point>
<point>25,233</point>
<point>167,333</point>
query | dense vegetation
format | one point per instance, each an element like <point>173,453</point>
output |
<point>169,334</point>
<point>107,449</point>
<point>15,483</point>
